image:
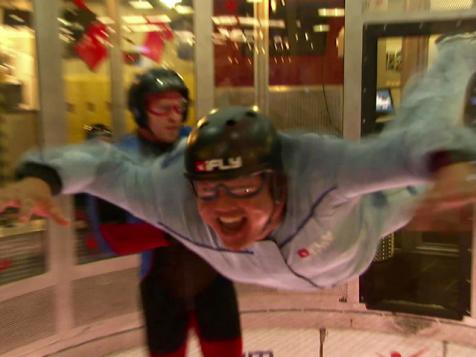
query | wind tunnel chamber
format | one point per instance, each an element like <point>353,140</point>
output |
<point>61,296</point>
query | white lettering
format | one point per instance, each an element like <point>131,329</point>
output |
<point>231,163</point>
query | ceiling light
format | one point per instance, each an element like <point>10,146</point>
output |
<point>158,19</point>
<point>141,4</point>
<point>134,19</point>
<point>321,28</point>
<point>145,28</point>
<point>170,3</point>
<point>105,20</point>
<point>337,12</point>
<point>184,10</point>
<point>274,5</point>
<point>224,20</point>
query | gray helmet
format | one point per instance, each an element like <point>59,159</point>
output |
<point>232,142</point>
<point>153,81</point>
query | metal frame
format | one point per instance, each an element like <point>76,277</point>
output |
<point>204,57</point>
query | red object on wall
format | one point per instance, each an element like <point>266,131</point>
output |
<point>5,264</point>
<point>231,6</point>
<point>154,42</point>
<point>153,47</point>
<point>80,3</point>
<point>91,48</point>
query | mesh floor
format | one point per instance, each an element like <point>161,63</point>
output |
<point>277,342</point>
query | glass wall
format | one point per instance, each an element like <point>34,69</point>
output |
<point>429,263</point>
<point>284,56</point>
<point>22,247</point>
<point>159,35</point>
<point>146,35</point>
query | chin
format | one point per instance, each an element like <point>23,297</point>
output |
<point>236,244</point>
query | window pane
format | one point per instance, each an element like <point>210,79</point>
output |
<point>22,247</point>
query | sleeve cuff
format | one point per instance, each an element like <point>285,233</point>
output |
<point>43,172</point>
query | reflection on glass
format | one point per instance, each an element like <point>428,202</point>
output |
<point>428,262</point>
<point>22,247</point>
<point>292,51</point>
<point>417,5</point>
<point>151,34</point>
<point>159,36</point>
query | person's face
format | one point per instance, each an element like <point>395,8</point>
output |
<point>240,211</point>
<point>165,116</point>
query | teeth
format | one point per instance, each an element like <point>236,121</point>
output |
<point>230,220</point>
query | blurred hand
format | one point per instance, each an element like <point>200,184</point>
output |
<point>32,196</point>
<point>454,187</point>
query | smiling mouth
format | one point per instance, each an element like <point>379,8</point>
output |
<point>231,224</point>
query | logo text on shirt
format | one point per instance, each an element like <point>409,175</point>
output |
<point>318,246</point>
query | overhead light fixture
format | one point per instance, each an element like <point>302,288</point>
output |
<point>105,20</point>
<point>337,12</point>
<point>134,20</point>
<point>321,28</point>
<point>170,3</point>
<point>145,28</point>
<point>274,5</point>
<point>141,4</point>
<point>248,21</point>
<point>224,20</point>
<point>158,19</point>
<point>184,10</point>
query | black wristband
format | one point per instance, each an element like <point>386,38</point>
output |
<point>43,172</point>
<point>441,159</point>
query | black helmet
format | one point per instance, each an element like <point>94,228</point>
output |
<point>232,142</point>
<point>155,80</point>
<point>97,130</point>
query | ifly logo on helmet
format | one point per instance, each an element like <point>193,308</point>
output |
<point>219,164</point>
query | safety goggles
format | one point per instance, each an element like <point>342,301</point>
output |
<point>161,109</point>
<point>242,187</point>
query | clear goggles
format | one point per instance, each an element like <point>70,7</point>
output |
<point>241,187</point>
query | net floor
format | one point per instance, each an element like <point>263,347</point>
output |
<point>280,342</point>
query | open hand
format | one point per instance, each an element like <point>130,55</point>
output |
<point>32,196</point>
<point>454,187</point>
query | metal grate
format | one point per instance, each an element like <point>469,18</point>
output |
<point>307,342</point>
<point>105,296</point>
<point>317,108</point>
<point>21,256</point>
<point>385,249</point>
<point>417,5</point>
<point>26,319</point>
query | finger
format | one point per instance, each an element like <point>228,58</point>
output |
<point>26,210</point>
<point>55,214</point>
<point>6,201</point>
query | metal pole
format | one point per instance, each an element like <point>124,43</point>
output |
<point>53,128</point>
<point>118,92</point>
<point>204,63</point>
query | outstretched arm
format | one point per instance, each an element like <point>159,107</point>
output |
<point>95,168</point>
